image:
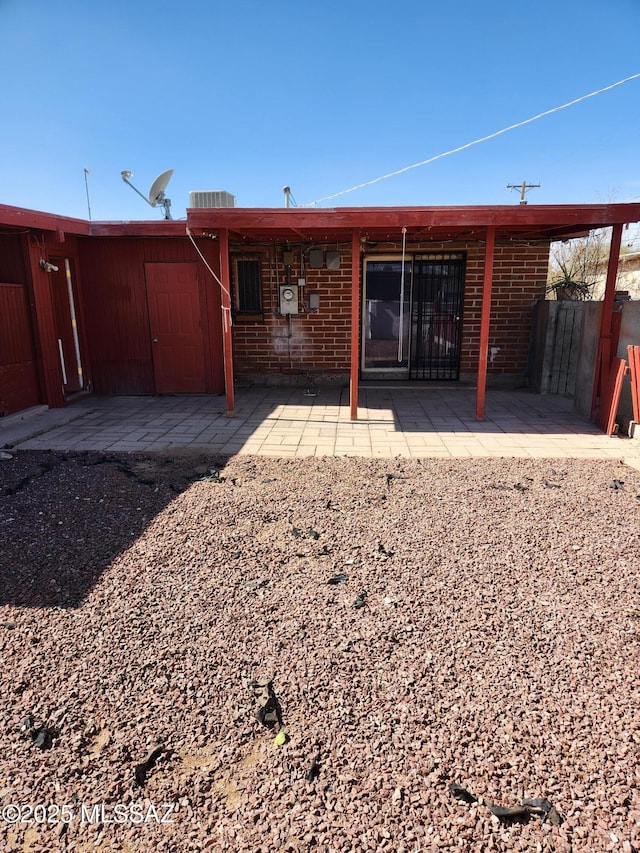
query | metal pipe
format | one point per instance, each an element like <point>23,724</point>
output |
<point>74,323</point>
<point>62,364</point>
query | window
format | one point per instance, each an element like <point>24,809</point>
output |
<point>248,280</point>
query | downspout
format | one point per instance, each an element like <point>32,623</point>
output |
<point>604,355</point>
<point>355,323</point>
<point>485,319</point>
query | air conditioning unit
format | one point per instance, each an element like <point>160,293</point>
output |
<point>213,198</point>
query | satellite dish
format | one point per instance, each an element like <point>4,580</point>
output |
<point>156,193</point>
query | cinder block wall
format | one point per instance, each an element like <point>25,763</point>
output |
<point>280,347</point>
<point>629,336</point>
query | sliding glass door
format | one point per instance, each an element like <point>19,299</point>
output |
<point>412,316</point>
<point>387,314</point>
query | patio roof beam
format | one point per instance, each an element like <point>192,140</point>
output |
<point>485,318</point>
<point>264,220</point>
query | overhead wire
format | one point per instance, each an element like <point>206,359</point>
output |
<point>475,142</point>
<point>226,310</point>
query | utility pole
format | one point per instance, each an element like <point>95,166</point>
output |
<point>523,187</point>
<point>86,186</point>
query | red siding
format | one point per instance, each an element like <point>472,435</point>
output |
<point>19,386</point>
<point>18,377</point>
<point>12,259</point>
<point>46,327</point>
<point>117,313</point>
<point>116,316</point>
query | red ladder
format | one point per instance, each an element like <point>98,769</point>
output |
<point>634,370</point>
<point>606,419</point>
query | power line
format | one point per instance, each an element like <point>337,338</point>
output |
<point>475,141</point>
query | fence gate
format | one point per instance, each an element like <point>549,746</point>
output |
<point>561,347</point>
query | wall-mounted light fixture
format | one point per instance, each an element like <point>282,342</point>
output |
<point>47,267</point>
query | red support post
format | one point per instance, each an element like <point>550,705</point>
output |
<point>604,356</point>
<point>485,319</point>
<point>227,339</point>
<point>355,323</point>
<point>49,369</point>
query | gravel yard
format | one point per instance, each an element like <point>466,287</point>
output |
<point>423,623</point>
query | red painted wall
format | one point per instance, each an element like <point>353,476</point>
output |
<point>47,246</point>
<point>117,315</point>
<point>19,386</point>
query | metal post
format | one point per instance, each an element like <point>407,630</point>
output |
<point>485,321</point>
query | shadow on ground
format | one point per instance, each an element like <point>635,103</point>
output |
<point>65,517</point>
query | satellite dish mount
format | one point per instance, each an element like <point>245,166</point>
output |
<point>156,193</point>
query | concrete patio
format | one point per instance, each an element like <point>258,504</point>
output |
<point>409,421</point>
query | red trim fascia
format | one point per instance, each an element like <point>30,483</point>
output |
<point>19,217</point>
<point>302,220</point>
<point>161,228</point>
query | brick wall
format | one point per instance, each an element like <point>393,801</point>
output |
<point>309,341</point>
<point>519,279</point>
<point>320,342</point>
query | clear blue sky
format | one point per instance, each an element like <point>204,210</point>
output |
<point>250,95</point>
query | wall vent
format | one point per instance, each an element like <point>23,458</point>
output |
<point>212,198</point>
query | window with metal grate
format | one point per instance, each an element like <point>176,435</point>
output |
<point>248,285</point>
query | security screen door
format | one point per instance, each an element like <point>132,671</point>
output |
<point>412,317</point>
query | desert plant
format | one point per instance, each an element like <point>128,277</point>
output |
<point>574,265</point>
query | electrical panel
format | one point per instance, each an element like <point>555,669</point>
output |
<point>316,259</point>
<point>288,299</point>
<point>333,260</point>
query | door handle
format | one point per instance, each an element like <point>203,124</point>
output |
<point>154,340</point>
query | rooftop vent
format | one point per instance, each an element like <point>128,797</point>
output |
<point>213,198</point>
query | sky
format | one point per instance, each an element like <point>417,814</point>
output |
<point>252,95</point>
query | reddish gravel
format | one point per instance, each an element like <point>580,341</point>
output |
<point>496,649</point>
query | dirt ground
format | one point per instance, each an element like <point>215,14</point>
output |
<point>439,639</point>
